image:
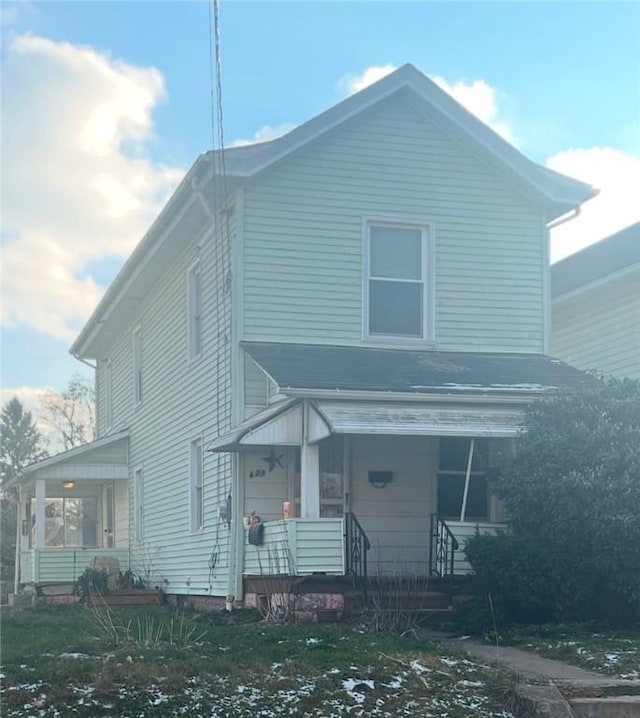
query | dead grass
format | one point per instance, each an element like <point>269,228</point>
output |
<point>234,670</point>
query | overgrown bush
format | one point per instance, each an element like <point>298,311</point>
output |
<point>573,497</point>
<point>90,581</point>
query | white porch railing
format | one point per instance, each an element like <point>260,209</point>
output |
<point>297,547</point>
<point>63,565</point>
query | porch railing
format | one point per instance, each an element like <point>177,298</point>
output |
<point>356,544</point>
<point>443,548</point>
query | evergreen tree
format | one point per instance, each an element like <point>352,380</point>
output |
<point>21,445</point>
<point>21,442</point>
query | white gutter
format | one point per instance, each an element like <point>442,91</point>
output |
<point>495,395</point>
<point>567,217</point>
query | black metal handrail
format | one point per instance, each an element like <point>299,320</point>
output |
<point>443,548</point>
<point>357,544</point>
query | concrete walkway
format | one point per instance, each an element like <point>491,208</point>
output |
<point>530,666</point>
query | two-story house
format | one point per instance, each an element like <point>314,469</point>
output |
<point>336,331</point>
<point>596,305</point>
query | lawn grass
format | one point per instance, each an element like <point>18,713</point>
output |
<point>602,649</point>
<point>60,662</point>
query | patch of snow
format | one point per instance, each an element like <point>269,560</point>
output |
<point>419,668</point>
<point>312,641</point>
<point>75,656</point>
<point>449,661</point>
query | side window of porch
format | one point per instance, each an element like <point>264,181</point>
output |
<point>454,456</point>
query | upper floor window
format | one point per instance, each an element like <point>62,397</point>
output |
<point>397,289</point>
<point>194,310</point>
<point>136,340</point>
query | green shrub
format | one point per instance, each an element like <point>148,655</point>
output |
<point>91,581</point>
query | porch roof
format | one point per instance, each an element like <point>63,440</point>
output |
<point>103,459</point>
<point>314,370</point>
<point>281,425</point>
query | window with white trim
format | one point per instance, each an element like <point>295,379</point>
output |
<point>136,341</point>
<point>195,485</point>
<point>138,504</point>
<point>396,283</point>
<point>194,310</point>
<point>463,494</point>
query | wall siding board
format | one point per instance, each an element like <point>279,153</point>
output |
<point>182,400</point>
<point>302,273</point>
<point>600,328</point>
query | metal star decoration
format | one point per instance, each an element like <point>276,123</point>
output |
<point>273,459</point>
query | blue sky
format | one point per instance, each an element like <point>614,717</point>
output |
<point>97,95</point>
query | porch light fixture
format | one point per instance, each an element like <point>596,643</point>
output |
<point>379,479</point>
<point>68,484</point>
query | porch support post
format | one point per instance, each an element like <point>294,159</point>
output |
<point>309,473</point>
<point>40,506</point>
<point>467,480</point>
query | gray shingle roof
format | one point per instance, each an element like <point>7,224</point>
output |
<point>322,368</point>
<point>609,256</point>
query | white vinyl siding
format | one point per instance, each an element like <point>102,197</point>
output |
<point>107,396</point>
<point>599,328</point>
<point>302,272</point>
<point>136,342</point>
<point>397,262</point>
<point>138,505</point>
<point>180,400</point>
<point>196,485</point>
<point>194,308</point>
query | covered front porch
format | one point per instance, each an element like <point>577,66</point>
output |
<point>74,512</point>
<point>368,488</point>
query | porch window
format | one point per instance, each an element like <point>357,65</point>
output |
<point>71,522</point>
<point>138,504</point>
<point>461,458</point>
<point>396,286</point>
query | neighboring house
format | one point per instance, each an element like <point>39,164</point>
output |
<point>596,305</point>
<point>351,320</point>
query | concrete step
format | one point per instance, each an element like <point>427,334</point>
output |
<point>608,707</point>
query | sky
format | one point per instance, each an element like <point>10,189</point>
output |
<point>105,105</point>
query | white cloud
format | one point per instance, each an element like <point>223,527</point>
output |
<point>617,176</point>
<point>266,133</point>
<point>476,96</point>
<point>78,184</point>
<point>348,84</point>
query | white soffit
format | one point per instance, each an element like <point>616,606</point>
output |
<point>417,420</point>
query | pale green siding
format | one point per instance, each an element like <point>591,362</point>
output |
<point>297,547</point>
<point>182,400</point>
<point>67,564</point>
<point>599,328</point>
<point>256,384</point>
<point>303,221</point>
